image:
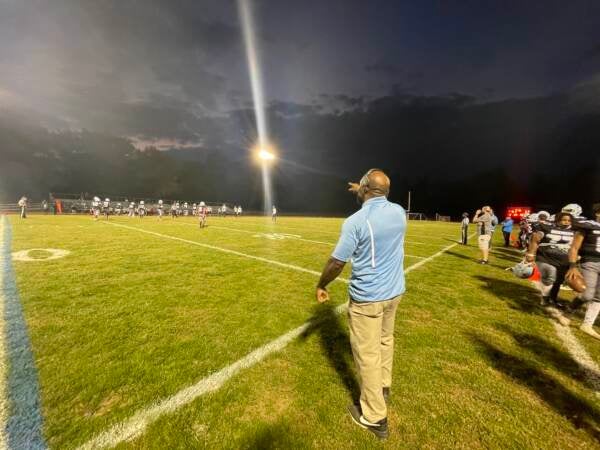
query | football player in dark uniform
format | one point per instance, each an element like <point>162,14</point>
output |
<point>549,247</point>
<point>586,244</point>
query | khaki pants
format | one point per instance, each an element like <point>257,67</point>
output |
<point>372,341</point>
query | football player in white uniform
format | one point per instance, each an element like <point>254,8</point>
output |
<point>96,207</point>
<point>274,214</point>
<point>160,209</point>
<point>23,205</point>
<point>131,211</point>
<point>141,209</point>
<point>202,211</point>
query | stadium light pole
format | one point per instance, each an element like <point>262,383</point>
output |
<point>266,158</point>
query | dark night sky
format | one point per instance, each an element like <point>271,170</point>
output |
<point>173,73</point>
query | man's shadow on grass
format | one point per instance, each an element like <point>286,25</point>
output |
<point>335,342</point>
<point>273,436</point>
<point>515,295</point>
<point>554,356</point>
<point>581,413</point>
<point>474,260</point>
<point>507,254</point>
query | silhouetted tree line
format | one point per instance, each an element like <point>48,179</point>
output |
<point>453,153</point>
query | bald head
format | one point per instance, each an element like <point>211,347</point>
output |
<point>379,183</point>
<point>375,183</point>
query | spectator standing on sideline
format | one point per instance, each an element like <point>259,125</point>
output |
<point>373,238</point>
<point>464,228</point>
<point>507,227</point>
<point>483,217</point>
<point>23,205</point>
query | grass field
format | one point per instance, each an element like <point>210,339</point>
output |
<point>141,310</point>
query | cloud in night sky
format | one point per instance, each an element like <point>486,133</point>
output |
<point>174,72</point>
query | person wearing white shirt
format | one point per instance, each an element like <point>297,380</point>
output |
<point>23,205</point>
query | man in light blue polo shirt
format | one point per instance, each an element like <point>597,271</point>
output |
<point>373,239</point>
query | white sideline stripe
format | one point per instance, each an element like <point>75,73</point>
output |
<point>590,369</point>
<point>435,255</point>
<point>137,424</point>
<point>317,230</point>
<point>331,244</point>
<point>4,405</point>
<point>224,250</point>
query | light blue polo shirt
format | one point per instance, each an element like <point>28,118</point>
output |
<point>373,238</point>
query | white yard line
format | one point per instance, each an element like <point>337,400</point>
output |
<point>435,255</point>
<point>590,369</point>
<point>221,249</point>
<point>4,404</point>
<point>137,424</point>
<point>293,237</point>
<point>298,238</point>
<point>272,226</point>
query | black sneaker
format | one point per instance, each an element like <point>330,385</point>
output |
<point>379,429</point>
<point>386,395</point>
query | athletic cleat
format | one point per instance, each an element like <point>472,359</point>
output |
<point>386,395</point>
<point>545,301</point>
<point>589,330</point>
<point>379,429</point>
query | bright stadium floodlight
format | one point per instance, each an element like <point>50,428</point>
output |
<point>266,155</point>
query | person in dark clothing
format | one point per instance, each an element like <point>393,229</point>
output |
<point>464,228</point>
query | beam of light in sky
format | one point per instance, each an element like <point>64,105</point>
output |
<point>252,57</point>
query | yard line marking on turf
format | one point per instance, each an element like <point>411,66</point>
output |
<point>272,225</point>
<point>224,250</point>
<point>590,369</point>
<point>295,238</point>
<point>256,232</point>
<point>137,424</point>
<point>435,255</point>
<point>22,416</point>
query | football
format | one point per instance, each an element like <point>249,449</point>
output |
<point>576,283</point>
